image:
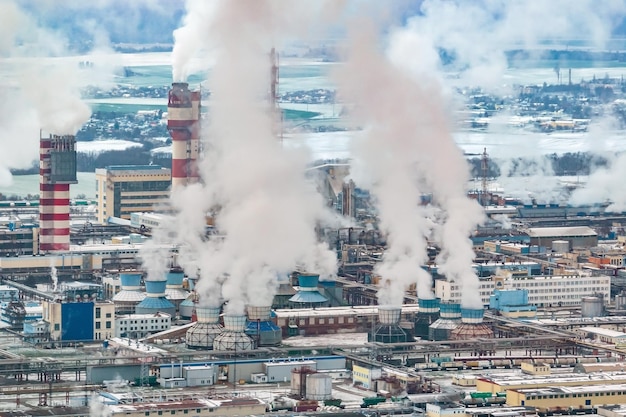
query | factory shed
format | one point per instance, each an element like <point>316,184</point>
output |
<point>577,236</point>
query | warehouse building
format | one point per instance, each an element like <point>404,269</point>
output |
<point>553,398</point>
<point>497,384</point>
<point>577,236</point>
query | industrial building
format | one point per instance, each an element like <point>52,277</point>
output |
<point>577,236</point>
<point>125,189</point>
<point>553,398</point>
<point>543,291</point>
<point>79,320</point>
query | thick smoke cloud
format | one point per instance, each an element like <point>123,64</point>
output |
<point>409,149</point>
<point>265,210</point>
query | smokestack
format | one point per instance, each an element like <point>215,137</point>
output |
<point>57,170</point>
<point>233,336</point>
<point>183,123</point>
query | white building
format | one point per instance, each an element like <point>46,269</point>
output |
<point>138,326</point>
<point>543,291</point>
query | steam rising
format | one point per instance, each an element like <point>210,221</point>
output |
<point>266,211</point>
<point>409,148</point>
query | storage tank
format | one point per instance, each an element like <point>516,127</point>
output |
<point>592,306</point>
<point>388,329</point>
<point>449,319</point>
<point>560,246</point>
<point>427,315</point>
<point>207,327</point>
<point>261,328</point>
<point>319,387</point>
<point>233,336</point>
<point>472,326</point>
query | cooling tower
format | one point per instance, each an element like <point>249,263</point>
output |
<point>187,306</point>
<point>472,326</point>
<point>428,314</point>
<point>449,319</point>
<point>57,170</point>
<point>388,329</point>
<point>207,327</point>
<point>183,123</point>
<point>155,300</point>
<point>308,295</point>
<point>174,288</point>
<point>130,295</point>
<point>233,336</point>
<point>261,328</point>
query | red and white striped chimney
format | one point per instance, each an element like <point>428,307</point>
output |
<point>183,123</point>
<point>57,170</point>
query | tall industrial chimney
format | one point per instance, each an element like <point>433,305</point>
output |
<point>57,170</point>
<point>183,123</point>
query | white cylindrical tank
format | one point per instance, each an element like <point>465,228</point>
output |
<point>592,307</point>
<point>560,246</point>
<point>319,387</point>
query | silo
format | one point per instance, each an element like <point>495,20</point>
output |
<point>449,319</point>
<point>130,295</point>
<point>472,326</point>
<point>388,329</point>
<point>261,328</point>
<point>233,336</point>
<point>207,327</point>
<point>427,315</point>
<point>592,306</point>
<point>560,246</point>
<point>319,387</point>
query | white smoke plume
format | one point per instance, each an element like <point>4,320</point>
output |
<point>604,185</point>
<point>410,144</point>
<point>54,277</point>
<point>266,210</point>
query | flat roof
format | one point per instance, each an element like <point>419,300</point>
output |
<point>561,231</point>
<point>573,390</point>
<point>603,332</point>
<point>556,379</point>
<point>338,311</point>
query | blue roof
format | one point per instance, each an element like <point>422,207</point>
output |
<point>156,303</point>
<point>308,297</point>
<point>265,326</point>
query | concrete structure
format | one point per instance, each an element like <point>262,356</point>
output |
<point>203,333</point>
<point>174,288</point>
<point>365,375</point>
<point>130,295</point>
<point>543,291</point>
<point>388,329</point>
<point>449,319</point>
<point>261,328</point>
<point>308,294</point>
<point>501,383</point>
<point>57,170</point>
<point>155,301</point>
<point>428,314</point>
<point>124,189</point>
<point>471,326</point>
<point>603,335</point>
<point>239,406</point>
<point>512,303</point>
<point>577,236</point>
<point>183,123</point>
<point>16,240</point>
<point>233,336</point>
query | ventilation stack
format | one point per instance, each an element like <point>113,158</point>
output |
<point>449,319</point>
<point>207,327</point>
<point>183,123</point>
<point>308,296</point>
<point>57,170</point>
<point>261,328</point>
<point>174,288</point>
<point>427,315</point>
<point>233,336</point>
<point>388,329</point>
<point>472,326</point>
<point>155,301</point>
<point>130,295</point>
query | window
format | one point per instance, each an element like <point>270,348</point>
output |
<point>108,325</point>
<point>98,312</point>
<point>147,413</point>
<point>173,412</point>
<point>57,326</point>
<point>108,315</point>
<point>97,325</point>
